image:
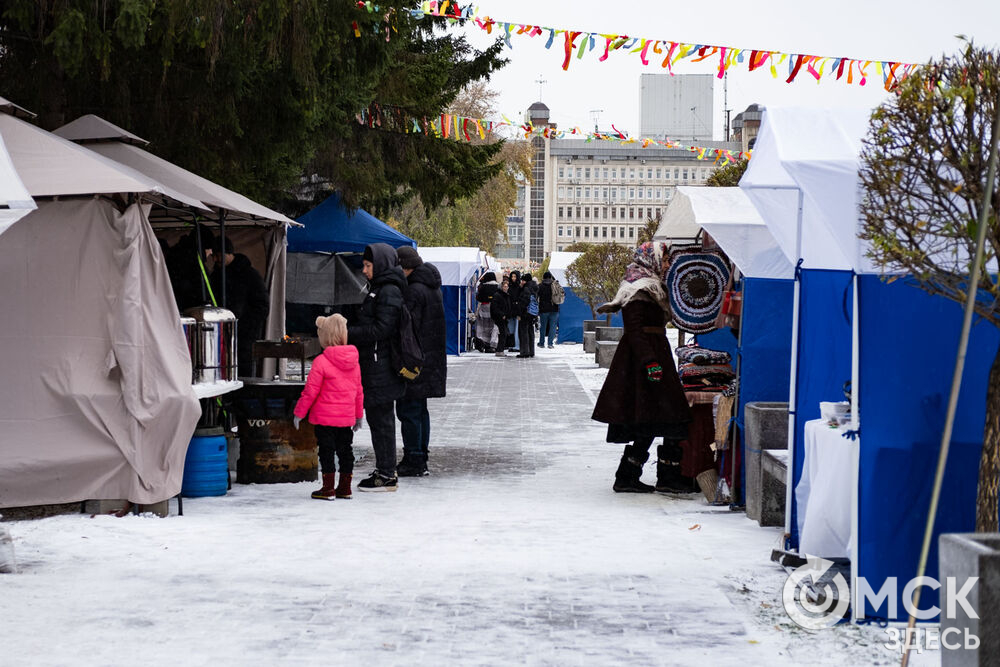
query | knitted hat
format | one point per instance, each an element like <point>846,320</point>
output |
<point>527,277</point>
<point>547,275</point>
<point>408,257</point>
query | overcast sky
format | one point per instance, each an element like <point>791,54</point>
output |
<point>900,30</point>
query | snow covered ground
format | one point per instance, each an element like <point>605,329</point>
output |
<point>514,551</point>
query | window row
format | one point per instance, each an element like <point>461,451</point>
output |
<point>633,173</point>
<point>613,195</point>
<point>606,213</point>
<point>584,232</point>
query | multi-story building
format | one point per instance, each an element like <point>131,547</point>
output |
<point>746,125</point>
<point>596,192</point>
<point>677,107</point>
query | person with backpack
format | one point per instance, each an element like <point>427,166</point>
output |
<point>425,303</point>
<point>374,331</point>
<point>527,312</point>
<point>550,295</point>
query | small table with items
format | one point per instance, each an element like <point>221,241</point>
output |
<point>823,494</point>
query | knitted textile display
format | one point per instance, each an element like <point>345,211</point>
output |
<point>696,284</point>
<point>695,354</point>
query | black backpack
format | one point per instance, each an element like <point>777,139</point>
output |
<point>407,357</point>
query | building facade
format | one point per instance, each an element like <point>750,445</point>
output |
<point>595,192</point>
<point>677,107</point>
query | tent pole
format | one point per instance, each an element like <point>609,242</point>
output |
<point>789,481</point>
<point>222,246</point>
<point>734,437</point>
<point>956,380</point>
<point>201,254</point>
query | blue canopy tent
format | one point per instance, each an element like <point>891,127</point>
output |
<point>332,228</point>
<point>850,324</point>
<point>460,268</point>
<point>574,310</point>
<point>763,354</point>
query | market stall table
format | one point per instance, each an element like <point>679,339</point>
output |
<point>824,492</point>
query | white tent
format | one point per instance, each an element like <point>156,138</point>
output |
<point>97,399</point>
<point>457,264</point>
<point>677,226</point>
<point>460,268</point>
<point>729,216</point>
<point>559,261</point>
<point>15,202</point>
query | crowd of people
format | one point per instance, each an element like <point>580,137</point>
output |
<point>510,311</point>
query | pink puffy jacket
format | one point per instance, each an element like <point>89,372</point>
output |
<point>333,394</point>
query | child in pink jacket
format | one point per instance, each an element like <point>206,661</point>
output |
<point>334,402</point>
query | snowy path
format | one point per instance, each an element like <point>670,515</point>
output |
<point>514,551</point>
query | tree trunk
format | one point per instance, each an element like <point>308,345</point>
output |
<point>989,462</point>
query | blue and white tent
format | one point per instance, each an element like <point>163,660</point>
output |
<point>460,269</point>
<point>332,228</point>
<point>574,310</point>
<point>894,342</point>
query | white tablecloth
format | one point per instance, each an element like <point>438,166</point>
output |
<point>825,490</point>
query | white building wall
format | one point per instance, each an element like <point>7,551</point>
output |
<point>666,103</point>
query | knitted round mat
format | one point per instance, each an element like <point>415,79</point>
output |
<point>696,283</point>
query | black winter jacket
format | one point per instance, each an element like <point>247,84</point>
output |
<point>501,308</point>
<point>426,303</point>
<point>545,304</point>
<point>529,289</point>
<point>486,291</point>
<point>376,324</point>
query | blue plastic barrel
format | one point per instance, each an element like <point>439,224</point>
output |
<point>206,466</point>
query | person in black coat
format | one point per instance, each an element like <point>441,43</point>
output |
<point>486,333</point>
<point>426,305</point>
<point>526,323</point>
<point>372,331</point>
<point>514,292</point>
<point>246,296</point>
<point>548,312</point>
<point>184,269</point>
<point>502,310</point>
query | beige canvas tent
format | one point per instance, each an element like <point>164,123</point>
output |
<point>96,400</point>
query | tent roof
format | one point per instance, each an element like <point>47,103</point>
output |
<point>677,224</point>
<point>6,106</point>
<point>110,144</point>
<point>559,261</point>
<point>729,216</point>
<point>812,154</point>
<point>15,202</point>
<point>331,228</point>
<point>95,128</point>
<point>51,166</point>
<point>457,264</point>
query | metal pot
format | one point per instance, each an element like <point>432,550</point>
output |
<point>190,326</point>
<point>215,344</point>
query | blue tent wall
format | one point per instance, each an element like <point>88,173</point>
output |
<point>766,346</point>
<point>824,356</point>
<point>455,316</point>
<point>722,339</point>
<point>908,342</point>
<point>330,228</point>
<point>572,313</point>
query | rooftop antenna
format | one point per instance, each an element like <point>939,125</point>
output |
<point>540,81</point>
<point>693,118</point>
<point>596,115</point>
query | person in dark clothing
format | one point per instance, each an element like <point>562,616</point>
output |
<point>246,296</point>
<point>184,269</point>
<point>514,292</point>
<point>374,327</point>
<point>426,305</point>
<point>548,312</point>
<point>501,309</point>
<point>486,333</point>
<point>526,323</point>
<point>642,397</point>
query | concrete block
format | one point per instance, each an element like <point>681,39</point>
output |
<point>766,428</point>
<point>605,352</point>
<point>774,475</point>
<point>591,325</point>
<point>160,509</point>
<point>589,342</point>
<point>962,556</point>
<point>609,333</point>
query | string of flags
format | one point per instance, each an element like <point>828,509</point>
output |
<point>668,53</point>
<point>462,128</point>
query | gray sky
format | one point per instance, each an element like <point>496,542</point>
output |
<point>900,30</point>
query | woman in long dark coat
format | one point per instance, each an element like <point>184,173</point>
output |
<point>642,397</point>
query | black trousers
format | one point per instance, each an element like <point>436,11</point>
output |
<point>526,334</point>
<point>382,422</point>
<point>502,335</point>
<point>335,440</point>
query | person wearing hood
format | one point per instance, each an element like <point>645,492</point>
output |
<point>514,291</point>
<point>548,311</point>
<point>486,331</point>
<point>426,305</point>
<point>526,321</point>
<point>642,397</point>
<point>501,309</point>
<point>246,296</point>
<point>372,331</point>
